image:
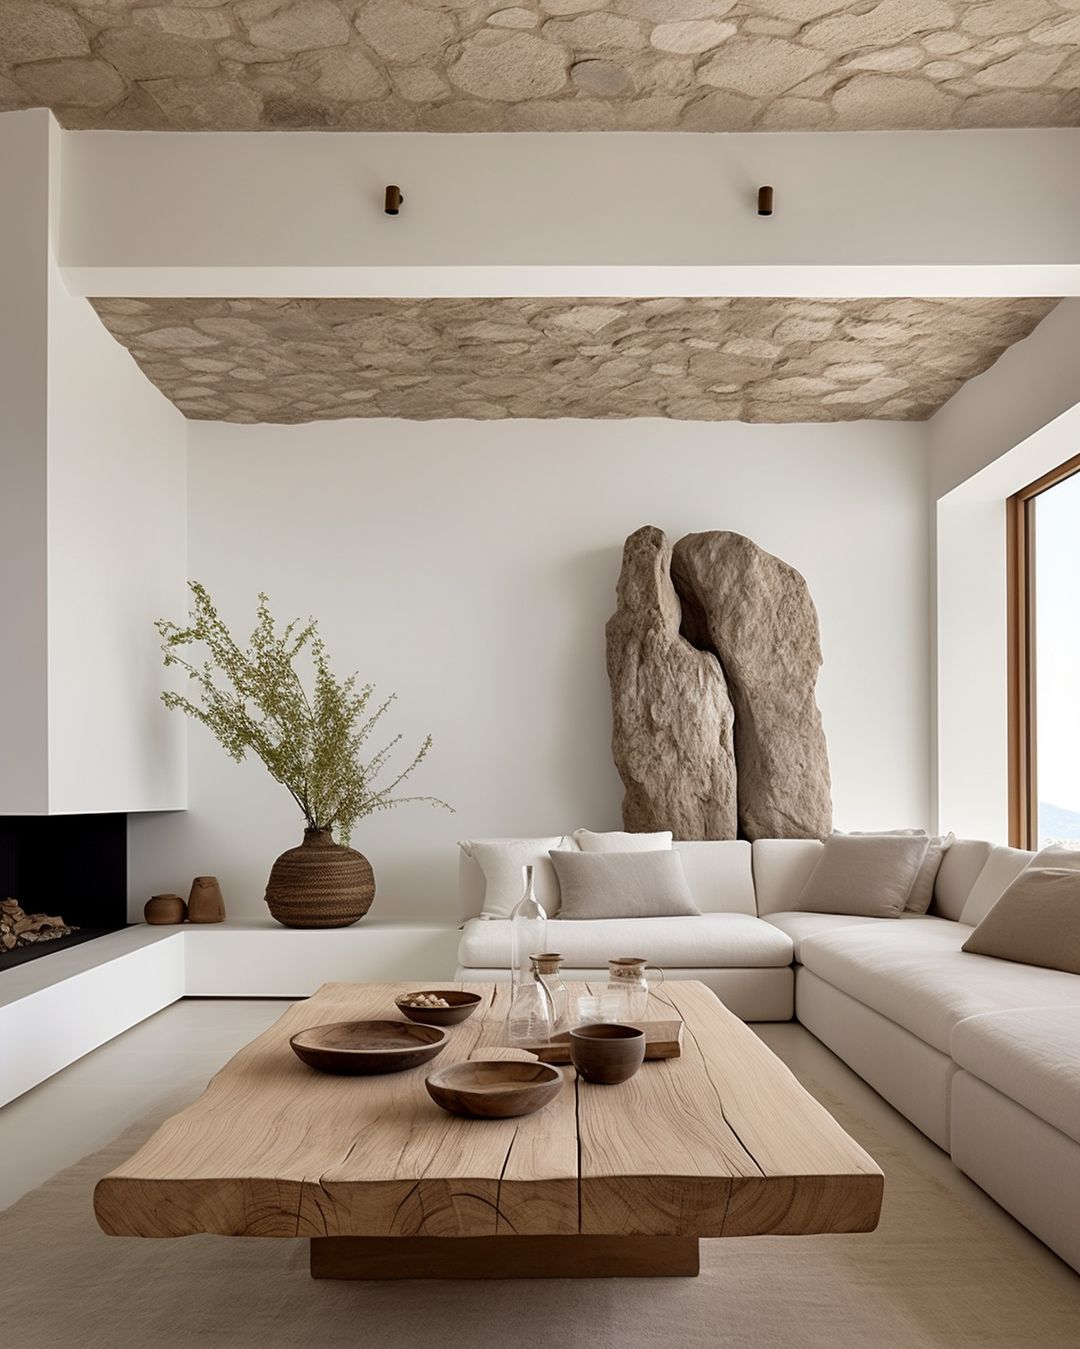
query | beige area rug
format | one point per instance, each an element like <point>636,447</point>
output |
<point>932,1275</point>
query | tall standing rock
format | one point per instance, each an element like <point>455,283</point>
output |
<point>756,614</point>
<point>672,717</point>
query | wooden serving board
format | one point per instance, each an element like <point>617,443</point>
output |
<point>663,1040</point>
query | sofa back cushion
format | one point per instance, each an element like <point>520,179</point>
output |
<point>1001,869</point>
<point>958,872</point>
<point>782,866</point>
<point>718,873</point>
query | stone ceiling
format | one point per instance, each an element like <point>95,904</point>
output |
<point>544,65</point>
<point>747,359</point>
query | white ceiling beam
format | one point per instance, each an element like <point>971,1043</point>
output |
<point>871,213</point>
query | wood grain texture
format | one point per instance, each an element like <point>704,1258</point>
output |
<point>721,1141</point>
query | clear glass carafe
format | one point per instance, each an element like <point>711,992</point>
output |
<point>528,934</point>
<point>533,1016</point>
<point>628,986</point>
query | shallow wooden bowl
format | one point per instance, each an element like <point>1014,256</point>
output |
<point>367,1046</point>
<point>462,1006</point>
<point>494,1088</point>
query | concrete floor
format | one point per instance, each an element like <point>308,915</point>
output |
<point>85,1106</point>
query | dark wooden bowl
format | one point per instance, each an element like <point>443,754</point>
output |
<point>494,1088</point>
<point>607,1051</point>
<point>367,1046</point>
<point>462,1006</point>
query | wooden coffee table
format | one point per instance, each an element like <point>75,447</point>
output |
<point>624,1180</point>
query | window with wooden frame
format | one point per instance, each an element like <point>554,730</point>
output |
<point>1044,660</point>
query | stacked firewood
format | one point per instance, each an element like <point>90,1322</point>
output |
<point>23,929</point>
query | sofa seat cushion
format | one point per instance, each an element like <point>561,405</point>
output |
<point>710,940</point>
<point>915,973</point>
<point>1032,1056</point>
<point>800,926</point>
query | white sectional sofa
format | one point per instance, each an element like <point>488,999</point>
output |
<point>983,1055</point>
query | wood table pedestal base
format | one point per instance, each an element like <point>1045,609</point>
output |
<point>584,1257</point>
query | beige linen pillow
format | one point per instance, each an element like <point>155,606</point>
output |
<point>1035,922</point>
<point>623,885</point>
<point>503,862</point>
<point>618,841</point>
<point>922,892</point>
<point>869,875</point>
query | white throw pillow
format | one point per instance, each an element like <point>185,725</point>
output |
<point>503,862</point>
<point>618,841</point>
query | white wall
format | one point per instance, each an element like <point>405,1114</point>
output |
<point>639,213</point>
<point>24,263</point>
<point>117,521</point>
<point>1000,432</point>
<point>92,526</point>
<point>471,566</point>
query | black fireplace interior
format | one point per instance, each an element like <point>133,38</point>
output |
<point>74,866</point>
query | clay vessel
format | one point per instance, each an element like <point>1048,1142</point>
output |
<point>165,909</point>
<point>607,1052</point>
<point>205,904</point>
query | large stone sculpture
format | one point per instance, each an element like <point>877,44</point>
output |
<point>671,711</point>
<point>756,614</point>
<point>713,655</point>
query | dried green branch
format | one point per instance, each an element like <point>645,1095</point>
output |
<point>254,701</point>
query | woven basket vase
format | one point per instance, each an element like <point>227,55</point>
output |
<point>320,883</point>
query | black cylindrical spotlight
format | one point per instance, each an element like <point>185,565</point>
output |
<point>764,201</point>
<point>394,198</point>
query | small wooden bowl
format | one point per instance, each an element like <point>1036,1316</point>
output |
<point>494,1088</point>
<point>607,1051</point>
<point>367,1047</point>
<point>462,1006</point>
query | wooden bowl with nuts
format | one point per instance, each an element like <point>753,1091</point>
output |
<point>438,1006</point>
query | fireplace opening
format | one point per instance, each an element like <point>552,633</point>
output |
<point>68,867</point>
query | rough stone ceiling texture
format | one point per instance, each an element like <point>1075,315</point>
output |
<point>753,360</point>
<point>544,65</point>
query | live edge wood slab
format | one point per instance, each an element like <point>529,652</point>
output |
<point>719,1142</point>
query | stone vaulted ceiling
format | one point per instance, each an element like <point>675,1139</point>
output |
<point>747,359</point>
<point>544,65</point>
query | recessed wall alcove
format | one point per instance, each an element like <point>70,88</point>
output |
<point>71,865</point>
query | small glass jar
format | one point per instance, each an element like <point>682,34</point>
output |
<point>548,968</point>
<point>628,983</point>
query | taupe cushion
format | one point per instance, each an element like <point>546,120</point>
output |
<point>864,874</point>
<point>1035,922</point>
<point>623,885</point>
<point>922,891</point>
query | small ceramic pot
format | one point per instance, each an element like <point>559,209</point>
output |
<point>165,909</point>
<point>205,904</point>
<point>607,1052</point>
